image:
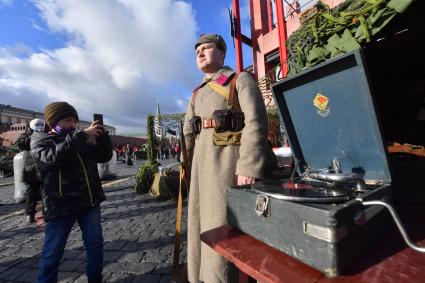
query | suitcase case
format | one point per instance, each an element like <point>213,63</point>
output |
<point>328,114</point>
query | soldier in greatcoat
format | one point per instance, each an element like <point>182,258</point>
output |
<point>219,157</point>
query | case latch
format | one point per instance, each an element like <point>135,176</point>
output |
<point>262,206</point>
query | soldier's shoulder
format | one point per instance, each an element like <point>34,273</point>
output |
<point>245,76</point>
<point>225,77</point>
<point>245,79</point>
<point>227,71</point>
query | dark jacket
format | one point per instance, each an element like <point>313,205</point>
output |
<point>29,174</point>
<point>24,140</point>
<point>68,168</point>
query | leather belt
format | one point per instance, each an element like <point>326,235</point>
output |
<point>208,123</point>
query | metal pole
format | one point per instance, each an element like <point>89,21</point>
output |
<point>281,26</point>
<point>269,15</point>
<point>238,36</point>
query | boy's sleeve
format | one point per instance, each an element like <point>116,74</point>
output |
<point>104,149</point>
<point>44,150</point>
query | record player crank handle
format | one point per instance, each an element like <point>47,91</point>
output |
<point>397,221</point>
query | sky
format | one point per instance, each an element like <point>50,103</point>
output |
<point>115,57</point>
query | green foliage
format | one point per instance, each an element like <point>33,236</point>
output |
<point>331,32</point>
<point>151,140</point>
<point>272,113</point>
<point>6,160</point>
<point>273,134</point>
<point>144,177</point>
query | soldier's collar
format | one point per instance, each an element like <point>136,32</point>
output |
<point>222,77</point>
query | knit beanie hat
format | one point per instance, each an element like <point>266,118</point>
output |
<point>56,111</point>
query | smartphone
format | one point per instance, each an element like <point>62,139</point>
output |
<point>98,117</point>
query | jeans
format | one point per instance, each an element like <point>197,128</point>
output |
<point>55,236</point>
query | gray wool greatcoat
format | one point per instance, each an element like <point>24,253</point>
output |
<point>214,169</point>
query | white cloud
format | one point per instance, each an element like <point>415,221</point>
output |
<point>5,3</point>
<point>121,58</point>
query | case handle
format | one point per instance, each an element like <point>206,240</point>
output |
<point>397,222</point>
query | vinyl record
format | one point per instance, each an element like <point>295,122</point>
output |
<point>301,191</point>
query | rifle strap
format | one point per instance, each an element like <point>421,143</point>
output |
<point>176,258</point>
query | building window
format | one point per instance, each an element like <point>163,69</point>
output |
<point>13,120</point>
<point>4,119</point>
<point>23,120</point>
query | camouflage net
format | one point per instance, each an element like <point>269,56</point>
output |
<point>326,33</point>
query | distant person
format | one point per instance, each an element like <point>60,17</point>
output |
<point>167,152</point>
<point>177,150</point>
<point>157,152</point>
<point>129,155</point>
<point>30,173</point>
<point>162,150</point>
<point>66,159</point>
<point>173,151</point>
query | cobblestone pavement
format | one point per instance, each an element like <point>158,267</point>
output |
<point>138,232</point>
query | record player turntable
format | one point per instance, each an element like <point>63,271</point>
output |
<point>323,214</point>
<point>324,186</point>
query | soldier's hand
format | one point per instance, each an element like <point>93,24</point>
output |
<point>245,180</point>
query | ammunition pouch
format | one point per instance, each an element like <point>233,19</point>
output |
<point>228,120</point>
<point>196,124</point>
<point>227,138</point>
<point>238,121</point>
<point>223,120</point>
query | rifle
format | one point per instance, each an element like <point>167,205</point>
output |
<point>184,169</point>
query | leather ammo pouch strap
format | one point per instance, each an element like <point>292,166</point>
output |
<point>229,122</point>
<point>233,101</point>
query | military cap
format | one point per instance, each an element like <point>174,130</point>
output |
<point>213,38</point>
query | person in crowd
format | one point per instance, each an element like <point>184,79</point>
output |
<point>173,151</point>
<point>129,155</point>
<point>167,151</point>
<point>66,159</point>
<point>30,173</point>
<point>220,153</point>
<point>177,150</point>
<point>123,153</point>
<point>157,152</point>
<point>162,150</point>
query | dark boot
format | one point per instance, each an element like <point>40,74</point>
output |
<point>95,279</point>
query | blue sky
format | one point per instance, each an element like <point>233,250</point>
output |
<point>116,57</point>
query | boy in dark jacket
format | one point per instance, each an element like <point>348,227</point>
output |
<point>67,160</point>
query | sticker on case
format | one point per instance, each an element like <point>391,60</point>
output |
<point>321,102</point>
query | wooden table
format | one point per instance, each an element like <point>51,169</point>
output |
<point>389,260</point>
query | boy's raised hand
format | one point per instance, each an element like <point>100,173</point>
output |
<point>95,129</point>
